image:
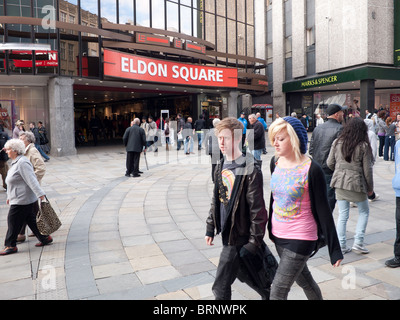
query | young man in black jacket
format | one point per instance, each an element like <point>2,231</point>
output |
<point>237,209</point>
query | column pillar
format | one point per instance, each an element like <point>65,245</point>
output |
<point>61,114</point>
<point>229,104</point>
<point>367,96</point>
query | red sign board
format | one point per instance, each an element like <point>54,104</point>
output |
<point>394,105</point>
<point>129,66</point>
<point>52,60</point>
<point>152,39</point>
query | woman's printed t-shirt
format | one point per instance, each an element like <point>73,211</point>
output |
<point>292,216</point>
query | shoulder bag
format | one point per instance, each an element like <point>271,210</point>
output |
<point>47,220</point>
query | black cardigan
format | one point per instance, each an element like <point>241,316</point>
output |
<point>320,209</point>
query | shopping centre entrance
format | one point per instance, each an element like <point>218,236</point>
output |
<point>103,110</point>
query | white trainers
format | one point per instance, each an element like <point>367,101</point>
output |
<point>345,250</point>
<point>360,249</point>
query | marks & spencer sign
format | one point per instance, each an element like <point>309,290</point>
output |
<point>133,67</point>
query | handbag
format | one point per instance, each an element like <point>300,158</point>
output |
<point>46,219</point>
<point>258,270</point>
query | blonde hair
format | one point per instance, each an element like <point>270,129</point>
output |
<point>278,126</point>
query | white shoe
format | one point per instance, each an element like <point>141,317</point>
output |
<point>345,250</point>
<point>360,249</point>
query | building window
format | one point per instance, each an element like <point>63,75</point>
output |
<point>62,51</point>
<point>70,52</point>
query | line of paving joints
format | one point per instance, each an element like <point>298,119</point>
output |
<point>79,278</point>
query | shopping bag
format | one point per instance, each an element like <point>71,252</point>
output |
<point>47,220</point>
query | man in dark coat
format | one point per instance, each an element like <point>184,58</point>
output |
<point>134,140</point>
<point>256,138</point>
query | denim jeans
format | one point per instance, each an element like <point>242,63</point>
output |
<point>188,141</point>
<point>293,267</point>
<point>390,141</point>
<point>43,154</point>
<point>200,136</point>
<point>363,213</point>
<point>257,154</point>
<point>227,271</point>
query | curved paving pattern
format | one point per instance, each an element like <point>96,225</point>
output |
<point>126,238</point>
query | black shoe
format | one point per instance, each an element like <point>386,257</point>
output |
<point>136,175</point>
<point>393,263</point>
<point>140,171</point>
<point>127,175</point>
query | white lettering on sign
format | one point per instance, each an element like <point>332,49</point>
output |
<point>161,70</point>
<point>140,68</point>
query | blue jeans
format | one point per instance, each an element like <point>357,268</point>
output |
<point>390,141</point>
<point>200,136</point>
<point>257,154</point>
<point>39,148</point>
<point>363,214</point>
<point>187,142</point>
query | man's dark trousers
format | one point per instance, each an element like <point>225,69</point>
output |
<point>132,162</point>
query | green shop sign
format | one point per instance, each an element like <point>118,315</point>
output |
<point>319,82</point>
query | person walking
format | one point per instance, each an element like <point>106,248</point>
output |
<point>180,124</point>
<point>350,159</point>
<point>300,215</point>
<point>390,140</point>
<point>44,141</point>
<point>395,261</point>
<point>19,126</point>
<point>199,126</point>
<point>35,131</point>
<point>134,140</point>
<point>382,127</point>
<point>3,156</point>
<point>237,208</point>
<point>256,138</point>
<point>167,132</point>
<point>321,142</point>
<point>243,120</point>
<point>188,133</point>
<point>212,147</point>
<point>39,168</point>
<point>23,203</point>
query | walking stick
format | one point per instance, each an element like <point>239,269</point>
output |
<point>145,159</point>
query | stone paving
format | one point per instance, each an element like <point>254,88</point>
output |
<point>143,238</point>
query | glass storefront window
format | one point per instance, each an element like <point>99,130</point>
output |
<point>186,20</point>
<point>143,13</point>
<point>26,103</point>
<point>172,17</point>
<point>157,12</point>
<point>126,12</point>
<point>108,11</point>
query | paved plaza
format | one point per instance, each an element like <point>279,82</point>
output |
<point>143,238</point>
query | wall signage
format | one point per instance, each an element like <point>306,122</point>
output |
<point>319,82</point>
<point>129,66</point>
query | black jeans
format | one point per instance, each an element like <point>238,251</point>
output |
<point>227,271</point>
<point>397,241</point>
<point>17,216</point>
<point>293,267</point>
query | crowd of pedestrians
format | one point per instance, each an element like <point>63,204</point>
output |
<point>304,193</point>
